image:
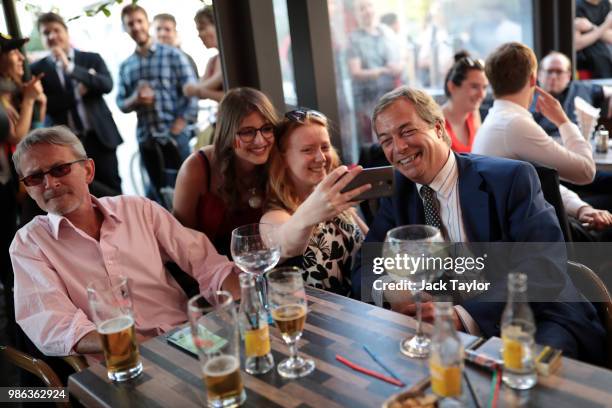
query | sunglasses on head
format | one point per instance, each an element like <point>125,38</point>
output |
<point>300,114</point>
<point>60,170</point>
<point>472,62</point>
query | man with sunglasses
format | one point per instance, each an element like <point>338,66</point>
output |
<point>83,238</point>
<point>475,199</point>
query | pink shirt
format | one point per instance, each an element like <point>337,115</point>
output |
<point>54,261</point>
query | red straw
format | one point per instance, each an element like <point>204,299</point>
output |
<point>497,386</point>
<point>371,373</point>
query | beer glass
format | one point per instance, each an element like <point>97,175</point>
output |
<point>287,299</point>
<point>415,241</point>
<point>111,306</point>
<point>214,327</point>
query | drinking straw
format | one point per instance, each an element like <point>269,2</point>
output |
<point>366,371</point>
<point>379,362</point>
<point>492,390</point>
<point>497,387</point>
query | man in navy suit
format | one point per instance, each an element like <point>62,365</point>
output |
<point>476,199</point>
<point>75,83</point>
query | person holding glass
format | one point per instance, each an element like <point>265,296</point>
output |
<point>465,87</point>
<point>320,230</point>
<point>475,199</point>
<point>83,239</point>
<point>222,186</point>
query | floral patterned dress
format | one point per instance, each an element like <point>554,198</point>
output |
<point>327,261</point>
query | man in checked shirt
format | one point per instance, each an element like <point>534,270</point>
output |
<point>151,82</point>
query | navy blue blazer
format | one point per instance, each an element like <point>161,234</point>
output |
<point>91,71</point>
<point>501,200</point>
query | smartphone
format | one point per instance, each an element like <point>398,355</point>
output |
<point>381,179</point>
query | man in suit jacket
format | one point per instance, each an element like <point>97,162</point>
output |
<point>75,82</point>
<point>478,199</point>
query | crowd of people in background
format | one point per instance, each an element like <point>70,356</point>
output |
<point>280,169</point>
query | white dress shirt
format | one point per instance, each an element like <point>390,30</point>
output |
<point>510,131</point>
<point>66,73</point>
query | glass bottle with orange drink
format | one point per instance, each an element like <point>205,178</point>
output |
<point>518,332</point>
<point>253,320</point>
<point>446,358</point>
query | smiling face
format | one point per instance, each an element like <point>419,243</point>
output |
<point>411,145</point>
<point>308,155</point>
<point>257,151</point>
<point>57,195</point>
<point>55,35</point>
<point>137,26</point>
<point>472,90</point>
<point>165,32</point>
<point>11,65</point>
<point>207,33</point>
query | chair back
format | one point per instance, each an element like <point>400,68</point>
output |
<point>32,365</point>
<point>587,282</point>
<point>549,180</point>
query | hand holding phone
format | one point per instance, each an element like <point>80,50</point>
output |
<point>380,178</point>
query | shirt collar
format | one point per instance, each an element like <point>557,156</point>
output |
<point>55,220</point>
<point>508,105</point>
<point>151,50</point>
<point>443,182</point>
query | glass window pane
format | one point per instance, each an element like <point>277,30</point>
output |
<point>281,18</point>
<point>379,45</point>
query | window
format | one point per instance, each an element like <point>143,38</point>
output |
<point>379,45</point>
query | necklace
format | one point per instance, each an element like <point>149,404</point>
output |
<point>255,199</point>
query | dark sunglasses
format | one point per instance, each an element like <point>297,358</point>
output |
<point>300,114</point>
<point>247,135</point>
<point>60,170</point>
<point>472,62</point>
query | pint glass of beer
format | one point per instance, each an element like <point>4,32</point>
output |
<point>111,306</point>
<point>214,327</point>
<point>287,300</point>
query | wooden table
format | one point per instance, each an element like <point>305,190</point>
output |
<point>335,325</point>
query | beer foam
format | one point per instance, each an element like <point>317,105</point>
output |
<point>220,366</point>
<point>115,325</point>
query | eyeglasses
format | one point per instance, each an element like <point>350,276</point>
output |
<point>247,135</point>
<point>60,170</point>
<point>300,114</point>
<point>554,71</point>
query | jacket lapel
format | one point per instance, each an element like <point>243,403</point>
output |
<point>474,202</point>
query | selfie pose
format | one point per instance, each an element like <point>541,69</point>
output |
<point>319,228</point>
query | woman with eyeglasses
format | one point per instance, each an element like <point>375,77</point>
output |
<point>222,186</point>
<point>319,229</point>
<point>465,87</point>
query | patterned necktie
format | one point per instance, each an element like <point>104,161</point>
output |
<point>432,208</point>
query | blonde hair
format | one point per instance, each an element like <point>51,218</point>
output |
<point>424,105</point>
<point>281,193</point>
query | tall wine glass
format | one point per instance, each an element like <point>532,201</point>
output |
<point>288,305</point>
<point>415,241</point>
<point>255,249</point>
